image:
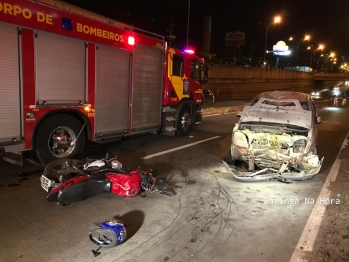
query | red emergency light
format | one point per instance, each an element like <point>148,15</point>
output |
<point>189,51</point>
<point>131,40</point>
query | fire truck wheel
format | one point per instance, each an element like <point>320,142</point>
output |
<point>185,122</point>
<point>58,137</point>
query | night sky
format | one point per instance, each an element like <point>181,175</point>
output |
<point>326,21</point>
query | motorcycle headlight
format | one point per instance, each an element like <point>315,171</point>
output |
<point>299,146</point>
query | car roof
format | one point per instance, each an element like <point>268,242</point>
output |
<point>282,95</point>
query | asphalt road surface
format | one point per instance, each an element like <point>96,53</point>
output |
<point>211,217</point>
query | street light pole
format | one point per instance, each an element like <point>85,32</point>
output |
<point>312,59</point>
<point>297,54</point>
<point>317,68</point>
<point>277,19</point>
<point>306,38</point>
<point>188,22</point>
<point>311,54</point>
<point>321,47</point>
<point>265,44</point>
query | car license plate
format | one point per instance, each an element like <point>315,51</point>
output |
<point>45,183</point>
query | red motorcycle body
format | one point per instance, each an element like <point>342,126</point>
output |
<point>125,185</point>
<point>72,182</point>
<point>79,188</point>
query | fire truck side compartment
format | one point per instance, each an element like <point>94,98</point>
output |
<point>10,120</point>
<point>112,91</point>
<point>60,69</point>
<point>147,87</point>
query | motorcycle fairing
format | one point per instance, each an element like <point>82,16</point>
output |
<point>79,188</point>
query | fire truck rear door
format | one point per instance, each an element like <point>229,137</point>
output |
<point>10,121</point>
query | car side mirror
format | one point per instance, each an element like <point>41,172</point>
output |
<point>238,113</point>
<point>318,120</point>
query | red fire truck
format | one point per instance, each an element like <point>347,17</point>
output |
<point>67,75</point>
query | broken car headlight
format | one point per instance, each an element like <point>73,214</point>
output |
<point>240,139</point>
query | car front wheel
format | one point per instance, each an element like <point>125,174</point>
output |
<point>230,158</point>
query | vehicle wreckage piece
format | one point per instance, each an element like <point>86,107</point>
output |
<point>276,138</point>
<point>267,174</point>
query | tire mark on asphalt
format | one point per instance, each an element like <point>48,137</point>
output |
<point>191,226</point>
<point>161,241</point>
<point>150,238</point>
<point>224,218</point>
<point>223,225</point>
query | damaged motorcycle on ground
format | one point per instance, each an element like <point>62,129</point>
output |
<point>72,180</point>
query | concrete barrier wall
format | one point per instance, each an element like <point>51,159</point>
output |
<point>217,71</point>
<point>228,81</point>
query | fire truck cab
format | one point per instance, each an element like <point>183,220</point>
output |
<point>68,75</point>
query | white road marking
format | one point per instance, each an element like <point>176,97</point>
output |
<point>308,237</point>
<point>179,148</point>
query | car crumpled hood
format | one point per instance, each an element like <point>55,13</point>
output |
<point>280,116</point>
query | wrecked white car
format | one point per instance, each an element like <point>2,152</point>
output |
<point>276,138</point>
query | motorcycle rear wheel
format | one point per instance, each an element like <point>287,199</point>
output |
<point>63,169</point>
